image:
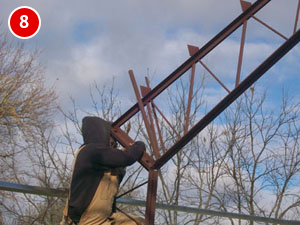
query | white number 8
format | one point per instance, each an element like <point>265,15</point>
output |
<point>24,19</point>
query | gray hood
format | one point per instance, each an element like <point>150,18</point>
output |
<point>95,130</point>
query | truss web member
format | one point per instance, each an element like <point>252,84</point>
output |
<point>98,169</point>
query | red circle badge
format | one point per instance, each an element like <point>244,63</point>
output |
<point>24,22</point>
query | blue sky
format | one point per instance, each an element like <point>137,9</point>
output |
<point>83,42</point>
<point>87,41</point>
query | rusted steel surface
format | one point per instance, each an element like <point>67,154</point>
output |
<point>196,55</point>
<point>162,143</point>
<point>254,76</point>
<point>146,161</point>
<point>188,110</point>
<point>243,38</point>
<point>245,5</point>
<point>153,141</point>
<point>150,110</point>
<point>151,197</point>
<point>147,100</point>
<point>144,91</point>
<point>193,59</point>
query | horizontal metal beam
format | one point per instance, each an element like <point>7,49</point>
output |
<point>193,59</point>
<point>27,189</point>
<point>186,209</point>
<point>230,98</point>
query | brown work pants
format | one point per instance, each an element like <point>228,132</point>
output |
<point>99,210</point>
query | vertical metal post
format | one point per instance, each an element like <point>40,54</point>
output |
<point>162,144</point>
<point>188,111</point>
<point>141,106</point>
<point>238,74</point>
<point>245,5</point>
<point>145,91</point>
<point>151,197</point>
<point>297,17</point>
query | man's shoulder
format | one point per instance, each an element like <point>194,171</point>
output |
<point>92,149</point>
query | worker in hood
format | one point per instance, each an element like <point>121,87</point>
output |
<point>98,169</point>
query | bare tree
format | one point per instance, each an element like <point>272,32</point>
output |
<point>246,162</point>
<point>262,165</point>
<point>26,106</point>
<point>24,100</point>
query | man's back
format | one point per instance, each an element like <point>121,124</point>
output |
<point>96,172</point>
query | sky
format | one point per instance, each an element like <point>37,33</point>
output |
<point>82,42</point>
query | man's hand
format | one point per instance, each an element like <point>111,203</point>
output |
<point>124,149</point>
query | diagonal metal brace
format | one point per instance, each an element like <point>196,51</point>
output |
<point>230,98</point>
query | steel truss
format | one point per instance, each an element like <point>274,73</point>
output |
<point>147,96</point>
<point>196,54</point>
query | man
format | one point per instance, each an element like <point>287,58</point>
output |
<point>98,169</point>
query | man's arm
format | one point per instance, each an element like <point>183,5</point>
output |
<point>115,158</point>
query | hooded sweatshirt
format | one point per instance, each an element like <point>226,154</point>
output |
<point>93,160</point>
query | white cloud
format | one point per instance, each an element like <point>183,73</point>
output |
<point>123,35</point>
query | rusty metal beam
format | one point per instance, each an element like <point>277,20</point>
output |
<point>162,144</point>
<point>193,59</point>
<point>151,197</point>
<point>270,28</point>
<point>245,5</point>
<point>190,97</point>
<point>214,76</point>
<point>218,109</point>
<point>242,46</point>
<point>144,91</point>
<point>147,161</point>
<point>150,132</point>
<point>297,17</point>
